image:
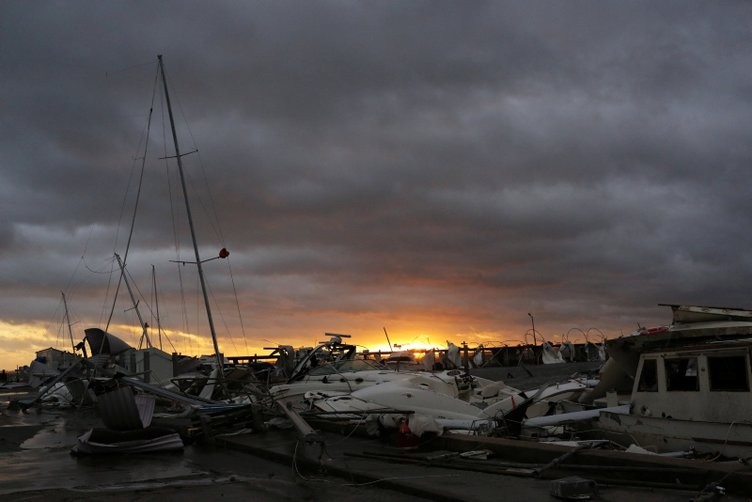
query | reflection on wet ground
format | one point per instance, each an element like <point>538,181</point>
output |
<point>39,466</point>
<point>44,459</point>
<point>35,454</point>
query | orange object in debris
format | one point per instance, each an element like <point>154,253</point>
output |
<point>405,437</point>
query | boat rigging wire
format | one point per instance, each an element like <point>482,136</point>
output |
<point>138,197</point>
<point>210,208</point>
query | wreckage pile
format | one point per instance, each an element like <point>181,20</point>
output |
<point>415,405</point>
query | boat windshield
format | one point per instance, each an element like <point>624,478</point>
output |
<point>347,365</point>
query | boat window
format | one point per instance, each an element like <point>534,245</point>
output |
<point>681,374</point>
<point>728,373</point>
<point>648,376</point>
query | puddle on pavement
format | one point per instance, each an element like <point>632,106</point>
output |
<point>42,460</point>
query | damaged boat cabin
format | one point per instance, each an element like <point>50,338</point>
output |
<point>692,385</point>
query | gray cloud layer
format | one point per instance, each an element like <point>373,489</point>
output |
<point>374,162</point>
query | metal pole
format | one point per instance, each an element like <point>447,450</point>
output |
<point>535,341</point>
<point>532,319</point>
<point>190,222</point>
<point>144,326</point>
<point>156,304</point>
<point>67,318</point>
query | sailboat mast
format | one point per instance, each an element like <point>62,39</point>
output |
<point>156,304</point>
<point>67,318</point>
<point>144,326</point>
<point>190,219</point>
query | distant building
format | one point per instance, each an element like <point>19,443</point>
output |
<point>48,364</point>
<point>57,359</point>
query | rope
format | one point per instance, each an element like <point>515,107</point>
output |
<point>237,306</point>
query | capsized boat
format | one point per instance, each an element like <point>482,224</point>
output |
<point>127,417</point>
<point>331,370</point>
<point>435,396</point>
<point>435,401</point>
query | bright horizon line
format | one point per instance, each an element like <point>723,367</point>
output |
<point>24,341</point>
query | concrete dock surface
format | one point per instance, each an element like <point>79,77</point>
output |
<point>439,473</point>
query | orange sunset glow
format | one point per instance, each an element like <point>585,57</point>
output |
<point>22,341</point>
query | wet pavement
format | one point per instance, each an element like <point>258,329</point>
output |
<point>36,464</point>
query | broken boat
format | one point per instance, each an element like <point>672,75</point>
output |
<point>331,383</point>
<point>690,384</point>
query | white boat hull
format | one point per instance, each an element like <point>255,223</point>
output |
<point>668,434</point>
<point>103,441</point>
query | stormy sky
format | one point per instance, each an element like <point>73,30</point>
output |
<point>440,169</point>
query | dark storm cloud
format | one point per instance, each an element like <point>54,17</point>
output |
<point>472,160</point>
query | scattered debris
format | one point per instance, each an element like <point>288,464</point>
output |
<point>574,488</point>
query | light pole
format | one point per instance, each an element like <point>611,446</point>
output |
<point>532,319</point>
